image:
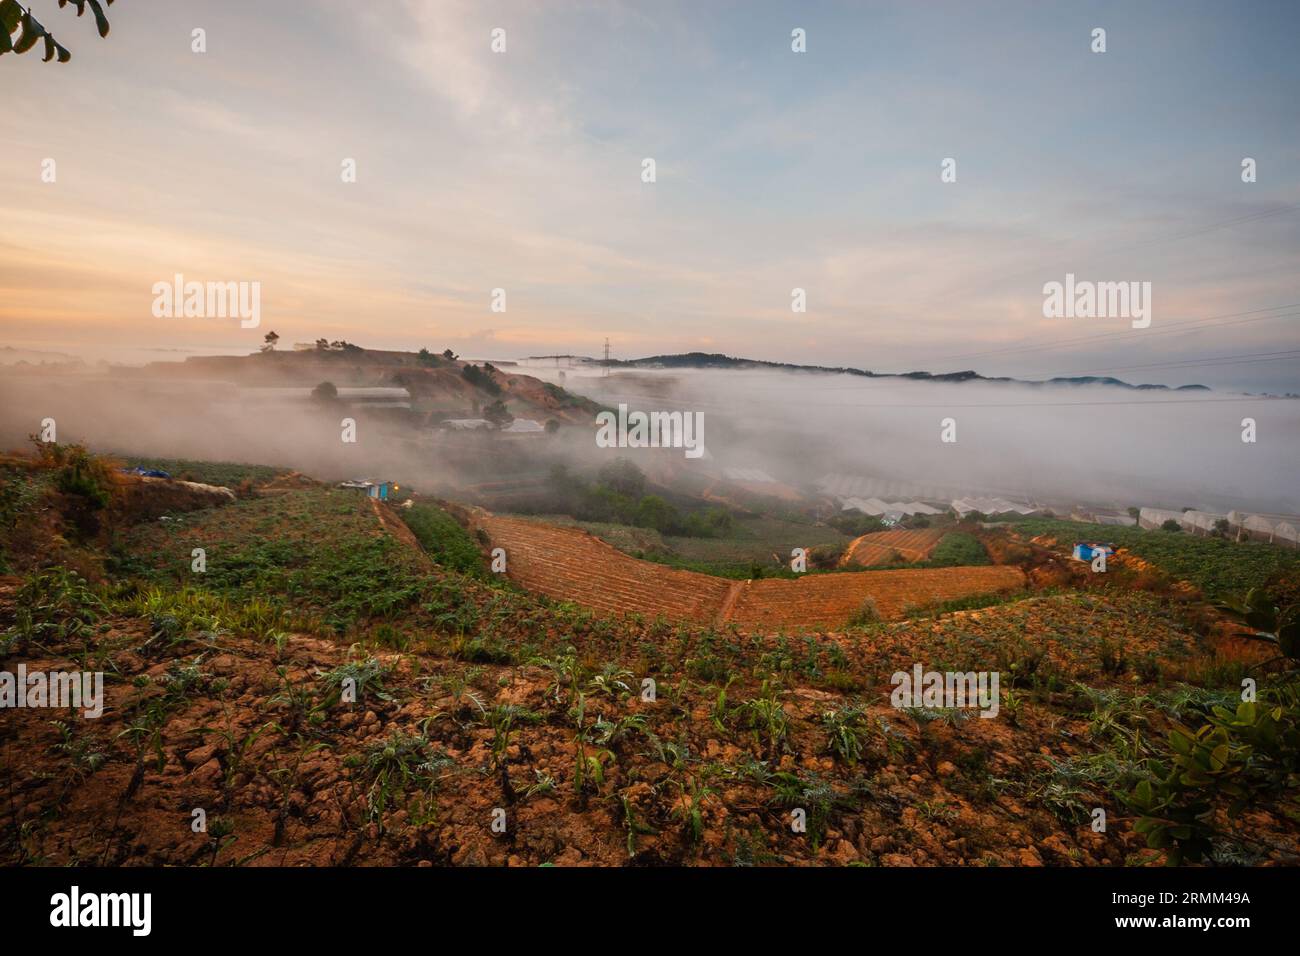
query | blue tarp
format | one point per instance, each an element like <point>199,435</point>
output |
<point>1086,552</point>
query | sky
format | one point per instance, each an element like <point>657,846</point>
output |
<point>775,170</point>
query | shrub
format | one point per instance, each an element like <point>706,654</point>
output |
<point>623,477</point>
<point>958,548</point>
<point>429,360</point>
<point>653,512</point>
<point>823,557</point>
<point>82,474</point>
<point>481,378</point>
<point>325,392</point>
<point>865,616</point>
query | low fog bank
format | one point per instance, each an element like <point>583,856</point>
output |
<point>1093,444</point>
<point>220,422</point>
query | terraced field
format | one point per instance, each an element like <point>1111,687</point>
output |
<point>829,600</point>
<point>571,565</point>
<point>879,547</point>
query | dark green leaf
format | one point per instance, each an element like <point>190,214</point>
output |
<point>101,21</point>
<point>10,13</point>
<point>32,31</point>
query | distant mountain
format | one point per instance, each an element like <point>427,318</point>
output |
<point>718,360</point>
<point>12,356</point>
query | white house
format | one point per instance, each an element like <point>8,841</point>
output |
<point>523,426</point>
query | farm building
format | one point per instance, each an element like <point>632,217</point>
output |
<point>1200,522</point>
<point>1153,518</point>
<point>877,507</point>
<point>372,488</point>
<point>523,426</point>
<point>1106,516</point>
<point>992,506</point>
<point>1275,529</point>
<point>467,424</point>
<point>1118,521</point>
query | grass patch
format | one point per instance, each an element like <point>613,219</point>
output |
<point>312,551</point>
<point>226,473</point>
<point>443,539</point>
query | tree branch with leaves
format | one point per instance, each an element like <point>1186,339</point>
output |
<point>20,30</point>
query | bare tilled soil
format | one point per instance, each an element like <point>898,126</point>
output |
<point>882,547</point>
<point>568,564</point>
<point>417,769</point>
<point>830,600</point>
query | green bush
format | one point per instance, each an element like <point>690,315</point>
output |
<point>710,523</point>
<point>443,538</point>
<point>958,549</point>
<point>653,512</point>
<point>481,378</point>
<point>429,360</point>
<point>623,477</point>
<point>84,475</point>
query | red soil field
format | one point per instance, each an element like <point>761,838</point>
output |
<point>880,546</point>
<point>569,564</point>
